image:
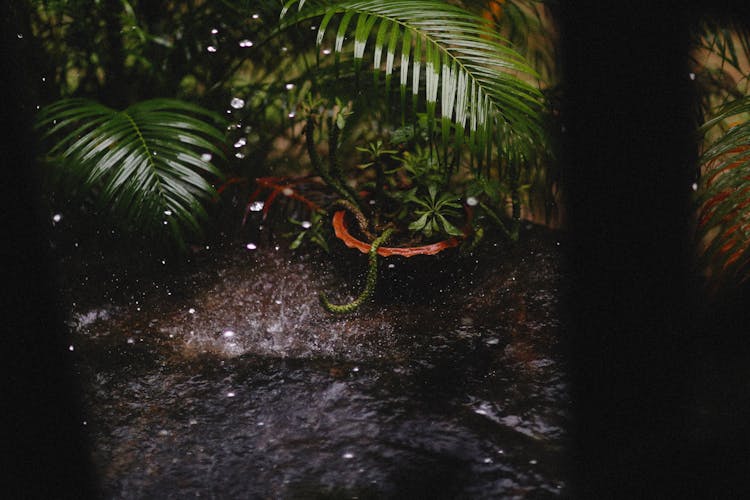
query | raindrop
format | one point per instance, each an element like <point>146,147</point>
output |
<point>306,224</point>
<point>165,222</point>
<point>471,201</point>
<point>487,460</point>
<point>692,76</point>
<point>313,27</point>
<point>289,86</point>
<point>239,156</point>
<point>167,212</point>
<point>240,142</point>
<point>163,262</point>
<point>19,35</point>
<point>260,424</point>
<point>391,266</point>
<point>206,157</point>
<point>230,394</point>
<point>57,218</point>
<point>131,340</point>
<point>191,310</point>
<point>256,206</point>
<point>292,114</point>
<point>44,78</point>
<point>193,422</point>
<point>255,16</point>
<point>277,302</point>
<point>326,52</point>
<point>246,43</point>
<point>211,48</point>
<point>237,103</point>
<point>71,348</point>
<point>695,186</point>
<point>284,49</point>
<point>348,455</point>
<point>533,462</point>
<point>228,334</point>
<point>287,191</point>
<point>355,369</point>
<point>251,246</point>
<point>214,31</point>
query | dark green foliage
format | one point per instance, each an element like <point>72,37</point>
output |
<point>150,164</point>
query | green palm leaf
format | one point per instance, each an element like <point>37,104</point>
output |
<point>149,163</point>
<point>476,70</point>
<point>723,197</point>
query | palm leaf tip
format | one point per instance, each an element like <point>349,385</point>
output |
<point>149,163</point>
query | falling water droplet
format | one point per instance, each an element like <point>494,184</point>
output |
<point>71,348</point>
<point>306,224</point>
<point>391,266</point>
<point>167,212</point>
<point>533,462</point>
<point>471,201</point>
<point>251,246</point>
<point>237,103</point>
<point>191,310</point>
<point>228,334</point>
<point>256,206</point>
<point>56,218</point>
<point>240,142</point>
<point>292,114</point>
<point>211,48</point>
<point>695,186</point>
<point>287,191</point>
<point>326,52</point>
<point>348,455</point>
<point>206,157</point>
<point>19,35</point>
<point>255,16</point>
<point>131,340</point>
<point>230,394</point>
<point>239,156</point>
<point>692,76</point>
<point>289,86</point>
<point>246,43</point>
<point>214,31</point>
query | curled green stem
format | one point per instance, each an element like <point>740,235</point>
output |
<point>372,276</point>
<point>358,216</point>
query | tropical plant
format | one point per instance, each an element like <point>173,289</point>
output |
<point>150,163</point>
<point>433,212</point>
<point>723,196</point>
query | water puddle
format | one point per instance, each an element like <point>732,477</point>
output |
<point>230,381</point>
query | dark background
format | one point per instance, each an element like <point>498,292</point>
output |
<point>646,351</point>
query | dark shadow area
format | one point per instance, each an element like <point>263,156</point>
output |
<point>44,452</point>
<point>640,331</point>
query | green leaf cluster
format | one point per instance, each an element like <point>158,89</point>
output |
<point>433,212</point>
<point>150,163</point>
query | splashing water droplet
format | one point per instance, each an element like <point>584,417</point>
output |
<point>306,224</point>
<point>471,201</point>
<point>211,48</point>
<point>240,142</point>
<point>251,246</point>
<point>237,103</point>
<point>246,43</point>
<point>256,206</point>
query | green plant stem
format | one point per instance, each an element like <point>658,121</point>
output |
<point>322,170</point>
<point>372,277</point>
<point>513,235</point>
<point>358,215</point>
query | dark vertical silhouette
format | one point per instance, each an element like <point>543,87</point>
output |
<point>44,455</point>
<point>635,341</point>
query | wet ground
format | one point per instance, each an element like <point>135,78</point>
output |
<point>226,379</point>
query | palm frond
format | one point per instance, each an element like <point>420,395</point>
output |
<point>478,73</point>
<point>723,197</point>
<point>148,163</point>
